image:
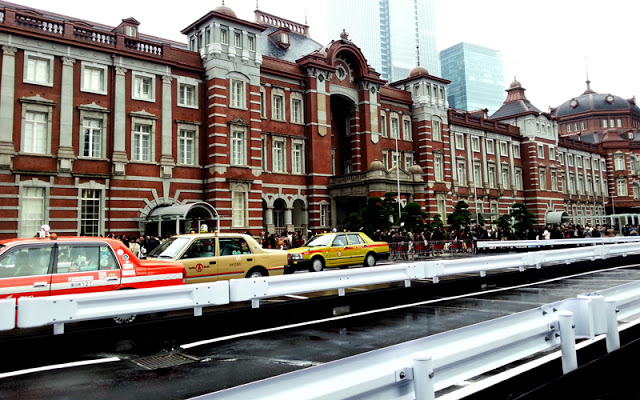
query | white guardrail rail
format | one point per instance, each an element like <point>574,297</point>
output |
<point>419,368</point>
<point>496,244</point>
<point>58,310</point>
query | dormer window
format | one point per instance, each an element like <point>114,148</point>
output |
<point>131,31</point>
<point>281,39</point>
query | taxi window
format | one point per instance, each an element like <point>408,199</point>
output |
<point>25,261</point>
<point>340,240</point>
<point>233,246</point>
<point>355,239</point>
<point>200,248</point>
<point>77,258</point>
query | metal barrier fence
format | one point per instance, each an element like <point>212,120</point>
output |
<point>422,250</point>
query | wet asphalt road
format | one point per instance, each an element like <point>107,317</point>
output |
<point>182,373</point>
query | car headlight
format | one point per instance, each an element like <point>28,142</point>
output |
<point>295,256</point>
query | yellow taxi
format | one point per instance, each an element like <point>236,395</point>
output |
<point>219,256</point>
<point>337,249</point>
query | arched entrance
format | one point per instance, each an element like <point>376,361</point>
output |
<point>342,109</point>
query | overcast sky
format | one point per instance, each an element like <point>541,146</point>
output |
<point>548,45</point>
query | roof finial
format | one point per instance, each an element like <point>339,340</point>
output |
<point>418,51</point>
<point>586,68</point>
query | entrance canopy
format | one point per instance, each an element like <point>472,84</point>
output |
<point>557,217</point>
<point>199,211</point>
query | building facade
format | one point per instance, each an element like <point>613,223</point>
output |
<point>394,36</point>
<point>253,126</point>
<point>476,74</point>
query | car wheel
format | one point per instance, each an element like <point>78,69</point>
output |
<point>256,273</point>
<point>370,260</point>
<point>317,265</point>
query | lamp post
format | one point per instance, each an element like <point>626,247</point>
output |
<point>398,176</point>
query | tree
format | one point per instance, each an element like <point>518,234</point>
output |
<point>523,219</point>
<point>355,222</point>
<point>374,215</point>
<point>413,217</point>
<point>460,218</point>
<point>437,222</point>
<point>391,206</point>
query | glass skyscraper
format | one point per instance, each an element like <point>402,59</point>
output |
<point>477,77</point>
<point>390,33</point>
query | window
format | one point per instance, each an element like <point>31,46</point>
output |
<point>94,78</point>
<point>143,87</point>
<point>395,128</point>
<point>238,147</point>
<point>36,132</point>
<point>622,187</point>
<point>224,36</point>
<point>459,138</point>
<point>141,142</point>
<point>263,152</point>
<point>38,69</point>
<point>324,215</point>
<point>518,178</point>
<point>383,124</point>
<point>552,153</point>
<point>187,139</point>
<point>237,39</point>
<point>475,143</point>
<point>462,172</point>
<point>436,129</point>
<point>385,159</point>
<point>437,167</point>
<point>277,104</point>
<point>238,98</point>
<point>570,160</point>
<point>490,148</point>
<point>130,31</point>
<point>505,177</point>
<point>406,129</point>
<point>278,156</point>
<point>580,184</point>
<point>618,162</point>
<point>619,123</point>
<point>605,123</point>
<point>394,159</point>
<point>296,108</point>
<point>408,161</point>
<point>543,179</point>
<point>582,125</point>
<point>92,138</point>
<point>561,158</point>
<point>587,163</point>
<point>516,150</point>
<point>251,40</point>
<point>239,207</point>
<point>504,149</point>
<point>187,93</point>
<point>541,151</point>
<point>491,172</point>
<point>297,158</point>
<point>441,206</point>
<point>90,212</point>
<point>477,174</point>
<point>554,181</point>
<point>31,210</point>
<point>572,184</point>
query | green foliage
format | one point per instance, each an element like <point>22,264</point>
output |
<point>523,219</point>
<point>355,222</point>
<point>390,204</point>
<point>460,218</point>
<point>437,222</point>
<point>374,215</point>
<point>413,217</point>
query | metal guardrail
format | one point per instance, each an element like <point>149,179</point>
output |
<point>57,310</point>
<point>419,368</point>
<point>496,244</point>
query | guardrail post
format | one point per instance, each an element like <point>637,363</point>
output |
<point>423,378</point>
<point>567,342</point>
<point>613,335</point>
<point>58,328</point>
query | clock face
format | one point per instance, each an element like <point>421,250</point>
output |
<point>574,103</point>
<point>373,90</point>
<point>609,99</point>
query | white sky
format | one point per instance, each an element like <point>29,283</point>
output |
<point>546,44</point>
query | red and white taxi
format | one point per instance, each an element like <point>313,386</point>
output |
<point>68,265</point>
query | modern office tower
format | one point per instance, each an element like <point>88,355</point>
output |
<point>390,33</point>
<point>476,75</point>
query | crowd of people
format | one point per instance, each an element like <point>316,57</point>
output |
<point>140,246</point>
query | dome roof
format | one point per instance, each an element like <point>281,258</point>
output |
<point>376,166</point>
<point>226,11</point>
<point>418,71</point>
<point>590,101</point>
<point>415,169</point>
<point>515,84</point>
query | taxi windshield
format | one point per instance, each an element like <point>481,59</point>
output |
<point>319,240</point>
<point>171,248</point>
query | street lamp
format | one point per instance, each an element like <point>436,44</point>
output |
<point>398,176</point>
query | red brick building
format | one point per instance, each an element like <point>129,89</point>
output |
<point>251,126</point>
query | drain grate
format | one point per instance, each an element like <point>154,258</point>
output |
<point>164,361</point>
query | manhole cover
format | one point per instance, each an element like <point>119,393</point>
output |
<point>164,361</point>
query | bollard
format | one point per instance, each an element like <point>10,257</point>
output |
<point>423,378</point>
<point>567,342</point>
<point>613,335</point>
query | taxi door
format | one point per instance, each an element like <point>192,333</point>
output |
<point>200,261</point>
<point>84,268</point>
<point>235,258</point>
<point>357,248</point>
<point>339,251</point>
<point>25,271</point>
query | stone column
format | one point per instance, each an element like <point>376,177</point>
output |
<point>119,157</point>
<point>7,94</point>
<point>268,215</point>
<point>166,158</point>
<point>65,151</point>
